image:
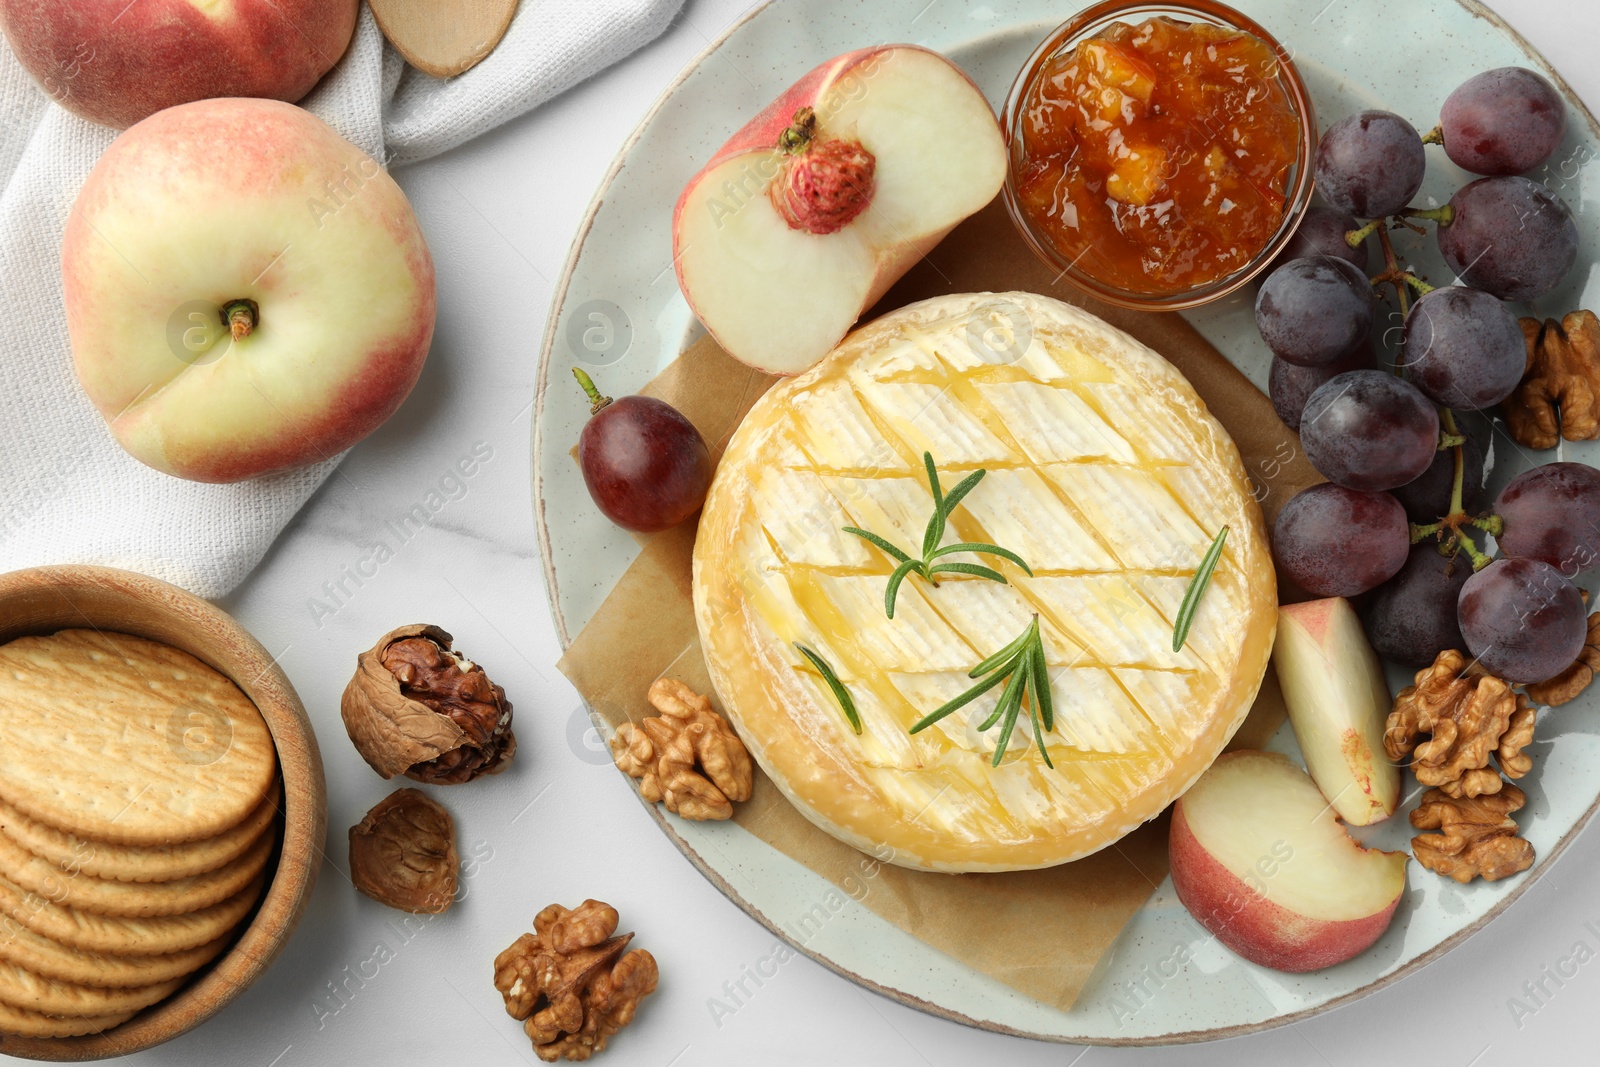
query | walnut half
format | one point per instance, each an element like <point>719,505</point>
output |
<point>403,853</point>
<point>1478,837</point>
<point>1560,391</point>
<point>572,982</point>
<point>664,751</point>
<point>417,708</point>
<point>1466,717</point>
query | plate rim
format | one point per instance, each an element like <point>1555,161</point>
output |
<point>1475,8</point>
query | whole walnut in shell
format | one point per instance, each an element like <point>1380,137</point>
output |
<point>403,853</point>
<point>417,708</point>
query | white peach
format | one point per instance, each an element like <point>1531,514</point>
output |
<point>118,63</point>
<point>822,201</point>
<point>1260,860</point>
<point>246,291</point>
<point>1339,703</point>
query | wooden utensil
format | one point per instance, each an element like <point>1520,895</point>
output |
<point>444,37</point>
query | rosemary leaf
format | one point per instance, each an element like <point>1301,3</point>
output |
<point>988,550</point>
<point>933,481</point>
<point>1033,710</point>
<point>963,487</point>
<point>892,590</point>
<point>866,535</point>
<point>1041,689</point>
<point>943,504</point>
<point>968,568</point>
<point>840,693</point>
<point>958,703</point>
<point>1004,655</point>
<point>1197,589</point>
<point>1011,701</point>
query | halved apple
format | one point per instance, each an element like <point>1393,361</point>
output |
<point>1260,860</point>
<point>1339,703</point>
<point>821,202</point>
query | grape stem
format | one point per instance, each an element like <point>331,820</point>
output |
<point>596,401</point>
<point>1434,136</point>
<point>1452,537</point>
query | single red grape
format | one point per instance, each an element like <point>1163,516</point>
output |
<point>1370,164</point>
<point>1464,348</point>
<point>1503,121</point>
<point>1509,236</point>
<point>1333,541</point>
<point>1552,513</point>
<point>1315,311</point>
<point>1367,429</point>
<point>1522,620</point>
<point>646,466</point>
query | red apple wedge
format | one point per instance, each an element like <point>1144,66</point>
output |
<point>821,202</point>
<point>1339,703</point>
<point>1260,860</point>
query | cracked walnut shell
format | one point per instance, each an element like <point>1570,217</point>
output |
<point>403,853</point>
<point>1478,837</point>
<point>1466,718</point>
<point>1560,391</point>
<point>663,751</point>
<point>417,708</point>
<point>1576,678</point>
<point>571,981</point>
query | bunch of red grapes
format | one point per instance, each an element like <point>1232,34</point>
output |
<point>1405,453</point>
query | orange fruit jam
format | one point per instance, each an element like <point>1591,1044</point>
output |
<point>1154,157</point>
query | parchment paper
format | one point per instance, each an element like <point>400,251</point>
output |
<point>1038,932</point>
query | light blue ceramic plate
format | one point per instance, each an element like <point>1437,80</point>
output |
<point>618,306</point>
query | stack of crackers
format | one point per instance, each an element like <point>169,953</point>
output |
<point>139,819</point>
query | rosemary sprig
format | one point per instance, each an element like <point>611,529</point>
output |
<point>1021,666</point>
<point>846,703</point>
<point>924,566</point>
<point>1197,589</point>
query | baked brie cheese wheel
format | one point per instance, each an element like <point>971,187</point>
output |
<point>1105,473</point>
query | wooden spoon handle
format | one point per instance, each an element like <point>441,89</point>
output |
<point>443,37</point>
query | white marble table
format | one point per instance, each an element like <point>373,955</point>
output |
<point>357,985</point>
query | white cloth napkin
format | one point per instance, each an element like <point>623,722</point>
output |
<point>68,493</point>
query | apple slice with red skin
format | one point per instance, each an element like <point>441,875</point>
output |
<point>1260,860</point>
<point>1339,703</point>
<point>822,201</point>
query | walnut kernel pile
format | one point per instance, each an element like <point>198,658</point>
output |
<point>1477,838</point>
<point>1560,391</point>
<point>1467,717</point>
<point>688,756</point>
<point>571,982</point>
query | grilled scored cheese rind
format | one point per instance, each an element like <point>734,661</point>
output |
<point>1106,474</point>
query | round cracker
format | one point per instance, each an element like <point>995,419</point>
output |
<point>132,863</point>
<point>42,956</point>
<point>142,899</point>
<point>20,1023</point>
<point>105,933</point>
<point>127,741</point>
<point>31,992</point>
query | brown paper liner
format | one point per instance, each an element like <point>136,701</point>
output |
<point>1039,932</point>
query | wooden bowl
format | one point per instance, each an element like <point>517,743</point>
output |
<point>46,599</point>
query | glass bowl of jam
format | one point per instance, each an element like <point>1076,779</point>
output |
<point>1161,155</point>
